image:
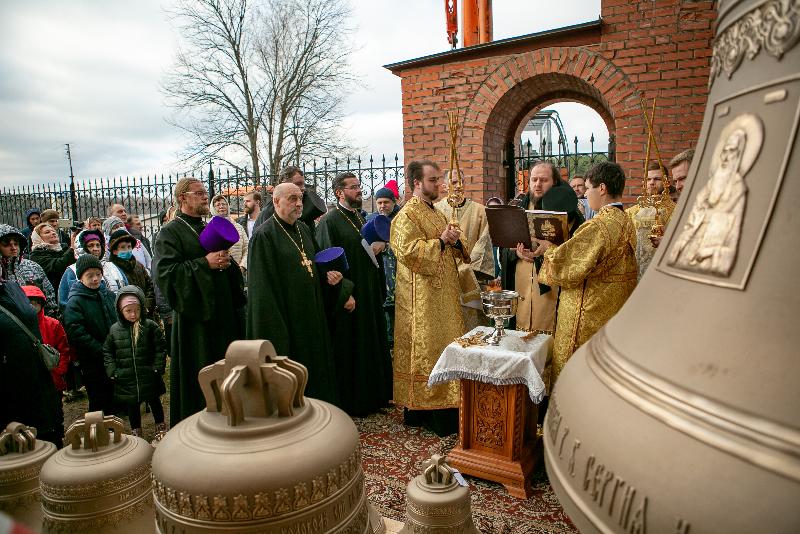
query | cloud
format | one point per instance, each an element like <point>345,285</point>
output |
<point>88,73</point>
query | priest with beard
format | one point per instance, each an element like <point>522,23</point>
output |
<point>205,293</point>
<point>427,308</point>
<point>288,295</point>
<point>360,346</point>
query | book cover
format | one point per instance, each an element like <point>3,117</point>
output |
<point>551,226</point>
<point>508,226</point>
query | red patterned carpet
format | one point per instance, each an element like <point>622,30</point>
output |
<point>393,453</point>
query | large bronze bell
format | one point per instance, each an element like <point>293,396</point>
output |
<point>100,483</point>
<point>681,415</point>
<point>21,460</point>
<point>261,457</point>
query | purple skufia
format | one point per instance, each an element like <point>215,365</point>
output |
<point>331,259</point>
<point>219,234</point>
<point>376,229</point>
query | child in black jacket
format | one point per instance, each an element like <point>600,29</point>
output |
<point>135,359</point>
<point>88,317</point>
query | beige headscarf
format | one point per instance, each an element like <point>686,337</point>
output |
<point>38,242</point>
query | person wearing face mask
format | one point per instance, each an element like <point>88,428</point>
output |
<point>49,253</point>
<point>121,244</point>
<point>90,242</point>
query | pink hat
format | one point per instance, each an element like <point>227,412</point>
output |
<point>127,300</point>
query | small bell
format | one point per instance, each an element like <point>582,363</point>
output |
<point>436,503</point>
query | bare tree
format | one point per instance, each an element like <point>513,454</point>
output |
<point>214,84</point>
<point>261,83</point>
<point>304,55</point>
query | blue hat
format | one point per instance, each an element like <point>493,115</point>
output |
<point>331,259</point>
<point>376,229</point>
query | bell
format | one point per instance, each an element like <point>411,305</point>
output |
<point>100,483</point>
<point>681,415</point>
<point>21,459</point>
<point>436,503</point>
<point>261,457</point>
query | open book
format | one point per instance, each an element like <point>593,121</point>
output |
<point>509,225</point>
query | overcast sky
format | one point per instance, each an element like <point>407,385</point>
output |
<point>88,72</point>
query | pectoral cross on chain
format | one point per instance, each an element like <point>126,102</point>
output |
<point>305,262</point>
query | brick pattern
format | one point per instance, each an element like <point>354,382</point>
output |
<point>648,48</point>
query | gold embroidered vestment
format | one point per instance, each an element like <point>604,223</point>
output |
<point>596,270</point>
<point>427,309</point>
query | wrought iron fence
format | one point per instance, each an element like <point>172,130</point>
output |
<point>148,196</point>
<point>575,162</point>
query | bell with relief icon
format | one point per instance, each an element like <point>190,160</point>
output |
<point>100,483</point>
<point>436,503</point>
<point>261,457</point>
<point>21,459</point>
<point>681,414</point>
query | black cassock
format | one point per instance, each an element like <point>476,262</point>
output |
<point>286,305</point>
<point>208,310</point>
<point>360,346</point>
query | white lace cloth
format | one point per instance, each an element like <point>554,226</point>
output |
<point>514,361</point>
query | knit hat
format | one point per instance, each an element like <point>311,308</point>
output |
<point>127,299</point>
<point>48,215</point>
<point>385,192</point>
<point>118,236</point>
<point>110,223</point>
<point>87,236</point>
<point>392,186</point>
<point>86,262</point>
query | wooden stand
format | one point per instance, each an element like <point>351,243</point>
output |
<point>497,435</point>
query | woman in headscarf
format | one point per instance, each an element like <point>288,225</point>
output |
<point>48,252</point>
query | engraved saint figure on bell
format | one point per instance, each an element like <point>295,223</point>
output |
<point>709,240</point>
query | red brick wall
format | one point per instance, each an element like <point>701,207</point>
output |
<point>645,49</point>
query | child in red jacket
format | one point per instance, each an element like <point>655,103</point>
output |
<point>53,334</point>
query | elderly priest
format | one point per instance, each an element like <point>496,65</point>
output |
<point>288,295</point>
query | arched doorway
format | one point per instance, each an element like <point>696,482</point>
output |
<point>527,83</point>
<point>569,134</point>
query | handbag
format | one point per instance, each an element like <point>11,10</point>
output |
<point>49,354</point>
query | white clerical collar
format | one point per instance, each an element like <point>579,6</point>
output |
<point>345,207</point>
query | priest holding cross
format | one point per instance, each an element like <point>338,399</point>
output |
<point>288,295</point>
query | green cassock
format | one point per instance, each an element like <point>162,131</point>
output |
<point>208,310</point>
<point>360,346</point>
<point>286,305</point>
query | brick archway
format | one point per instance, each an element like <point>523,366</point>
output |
<point>529,81</point>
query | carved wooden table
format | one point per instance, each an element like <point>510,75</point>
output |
<point>497,419</point>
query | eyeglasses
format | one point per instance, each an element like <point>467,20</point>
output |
<point>356,187</point>
<point>198,193</point>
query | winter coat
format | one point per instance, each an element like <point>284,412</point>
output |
<point>53,334</point>
<point>29,395</point>
<point>88,318</point>
<point>28,273</point>
<point>135,370</point>
<point>138,276</point>
<point>53,262</point>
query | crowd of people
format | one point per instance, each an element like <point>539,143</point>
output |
<point>117,308</point>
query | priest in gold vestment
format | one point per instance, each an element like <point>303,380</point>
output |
<point>427,309</point>
<point>644,217</point>
<point>475,233</point>
<point>596,268</point>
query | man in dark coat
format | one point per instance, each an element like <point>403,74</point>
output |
<point>29,395</point>
<point>313,205</point>
<point>288,295</point>
<point>32,218</point>
<point>205,290</point>
<point>360,346</point>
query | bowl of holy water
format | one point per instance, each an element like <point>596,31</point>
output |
<point>499,305</point>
